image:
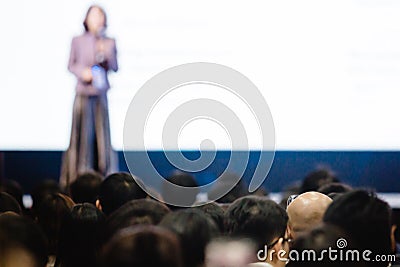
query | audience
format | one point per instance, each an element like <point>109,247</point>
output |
<point>8,203</point>
<point>172,194</point>
<point>22,243</point>
<point>263,221</point>
<point>215,212</point>
<point>117,189</point>
<point>312,249</point>
<point>136,212</point>
<point>13,188</point>
<point>86,188</point>
<point>226,181</point>
<point>367,219</point>
<point>143,246</point>
<point>334,190</point>
<point>81,236</point>
<point>116,223</point>
<point>194,230</point>
<point>316,179</point>
<point>51,212</point>
<point>41,190</point>
<point>305,212</point>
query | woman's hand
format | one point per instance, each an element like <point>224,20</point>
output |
<point>87,75</point>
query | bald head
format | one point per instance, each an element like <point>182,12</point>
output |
<point>306,211</point>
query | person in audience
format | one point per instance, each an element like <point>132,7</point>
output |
<point>13,188</point>
<point>81,236</point>
<point>51,212</point>
<point>117,189</point>
<point>215,212</point>
<point>41,190</point>
<point>316,179</point>
<point>22,243</point>
<point>143,246</point>
<point>226,181</point>
<point>136,212</point>
<point>175,195</point>
<point>305,212</point>
<point>334,190</point>
<point>194,230</point>
<point>86,188</point>
<point>263,221</point>
<point>8,203</point>
<point>367,219</point>
<point>312,249</point>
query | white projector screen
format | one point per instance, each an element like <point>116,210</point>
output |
<point>329,70</point>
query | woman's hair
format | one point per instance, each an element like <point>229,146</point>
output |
<point>142,246</point>
<point>87,15</point>
<point>134,212</point>
<point>194,229</point>
<point>52,211</point>
<point>81,236</point>
<point>19,233</point>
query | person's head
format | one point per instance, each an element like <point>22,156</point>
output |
<point>175,195</point>
<point>141,246</point>
<point>136,212</point>
<point>306,211</point>
<point>41,190</point>
<point>333,189</point>
<point>366,218</point>
<point>259,219</point>
<point>226,181</point>
<point>81,236</point>
<point>13,188</point>
<point>86,188</point>
<point>22,243</point>
<point>195,230</point>
<point>316,179</point>
<point>51,213</point>
<point>8,203</point>
<point>95,19</point>
<point>311,249</point>
<point>117,189</point>
<point>215,212</point>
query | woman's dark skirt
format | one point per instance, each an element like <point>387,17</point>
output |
<point>90,144</point>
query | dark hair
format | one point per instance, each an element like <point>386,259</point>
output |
<point>13,188</point>
<point>363,216</point>
<point>81,236</point>
<point>215,212</point>
<point>52,211</point>
<point>41,190</point>
<point>19,232</point>
<point>195,230</point>
<point>257,218</point>
<point>86,187</point>
<point>226,181</point>
<point>316,179</point>
<point>174,195</point>
<point>87,15</point>
<point>142,246</point>
<point>318,241</point>
<point>8,203</point>
<point>119,188</point>
<point>334,188</point>
<point>135,212</point>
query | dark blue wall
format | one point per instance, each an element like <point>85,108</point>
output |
<point>380,170</point>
